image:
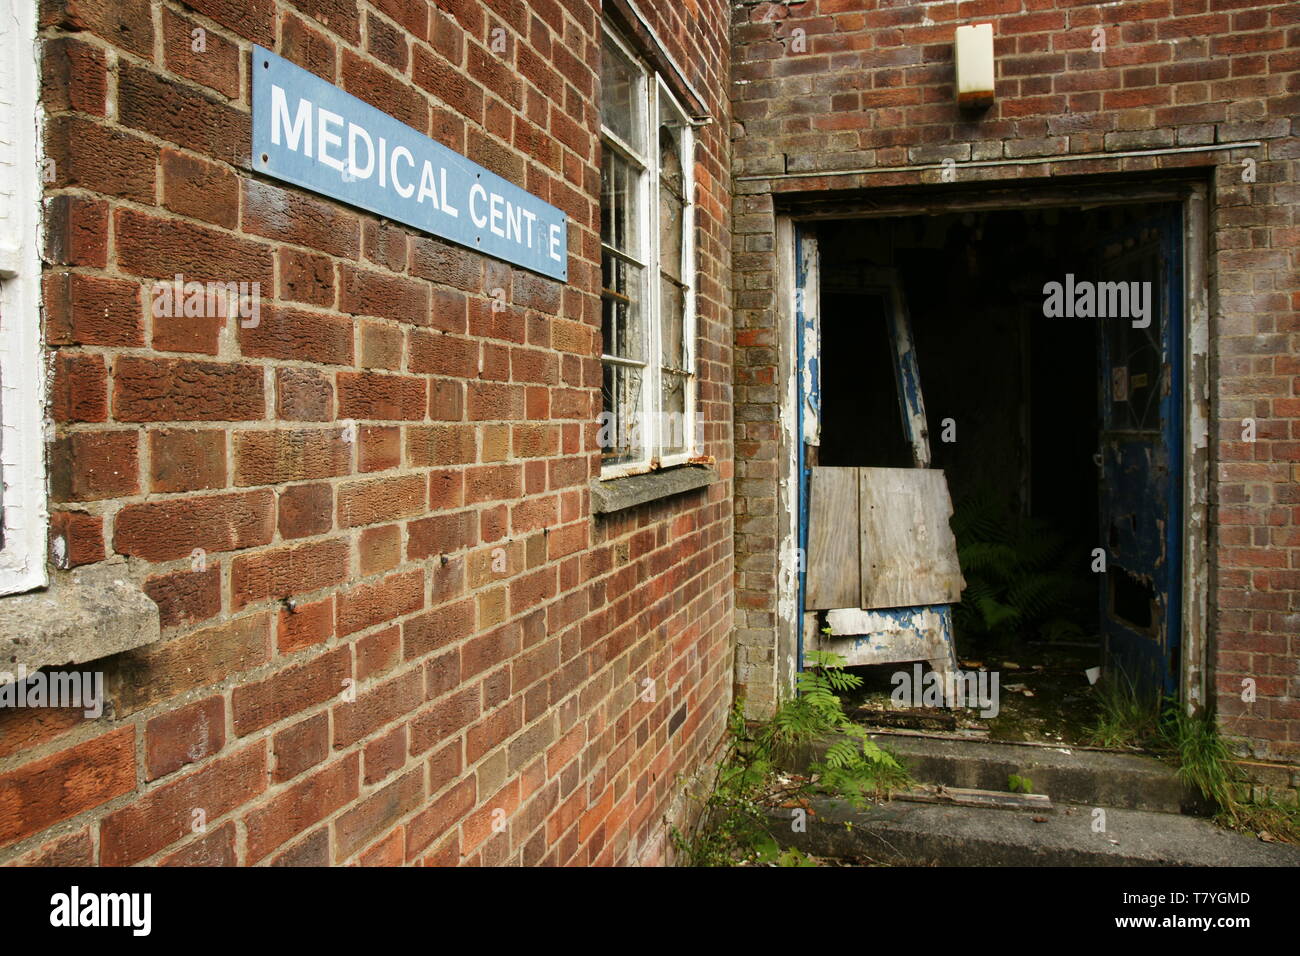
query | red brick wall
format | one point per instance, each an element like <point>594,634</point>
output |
<point>869,83</point>
<point>387,478</point>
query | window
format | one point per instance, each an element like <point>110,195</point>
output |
<point>648,416</point>
<point>22,475</point>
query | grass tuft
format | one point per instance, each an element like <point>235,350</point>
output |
<point>1128,720</point>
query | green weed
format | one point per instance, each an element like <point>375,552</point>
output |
<point>1192,742</point>
<point>735,824</point>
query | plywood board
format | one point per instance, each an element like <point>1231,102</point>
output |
<point>833,547</point>
<point>908,555</point>
<point>889,636</point>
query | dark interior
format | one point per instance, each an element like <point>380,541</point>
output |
<point>1020,390</point>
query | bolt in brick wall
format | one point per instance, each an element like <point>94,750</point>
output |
<point>393,632</point>
<point>826,85</point>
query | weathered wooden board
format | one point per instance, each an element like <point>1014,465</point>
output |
<point>879,538</point>
<point>907,376</point>
<point>833,547</point>
<point>969,797</point>
<point>908,555</point>
<point>889,636</point>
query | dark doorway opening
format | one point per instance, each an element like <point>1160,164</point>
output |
<point>1026,417</point>
<point>861,424</point>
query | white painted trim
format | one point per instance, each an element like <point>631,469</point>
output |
<point>671,60</point>
<point>1194,652</point>
<point>651,87</point>
<point>22,383</point>
<point>808,301</point>
<point>788,611</point>
<point>687,268</point>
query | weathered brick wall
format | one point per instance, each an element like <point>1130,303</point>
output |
<point>385,479</point>
<point>869,83</point>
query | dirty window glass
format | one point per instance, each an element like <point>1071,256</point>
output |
<point>674,357</point>
<point>648,416</point>
<point>622,97</point>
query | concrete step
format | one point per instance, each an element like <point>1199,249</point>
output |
<point>1068,775</point>
<point>917,834</point>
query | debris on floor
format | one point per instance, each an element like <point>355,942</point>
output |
<point>1049,699</point>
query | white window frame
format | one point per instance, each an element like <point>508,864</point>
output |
<point>22,384</point>
<point>654,92</point>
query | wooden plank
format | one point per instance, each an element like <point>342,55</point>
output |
<point>970,797</point>
<point>903,647</point>
<point>889,636</point>
<point>809,329</point>
<point>907,377</point>
<point>907,552</point>
<point>833,568</point>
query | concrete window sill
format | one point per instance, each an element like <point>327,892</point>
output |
<point>84,615</point>
<point>617,494</point>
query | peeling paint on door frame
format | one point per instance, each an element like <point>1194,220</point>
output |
<point>1196,450</point>
<point>788,615</point>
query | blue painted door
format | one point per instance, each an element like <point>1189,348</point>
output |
<point>1141,454</point>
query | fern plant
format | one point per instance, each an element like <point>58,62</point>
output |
<point>735,824</point>
<point>1018,579</point>
<point>853,765</point>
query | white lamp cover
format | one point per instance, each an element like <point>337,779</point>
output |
<point>974,58</point>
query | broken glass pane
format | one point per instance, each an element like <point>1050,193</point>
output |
<point>672,312</point>
<point>619,434</point>
<point>622,322</point>
<point>673,424</point>
<point>671,202</point>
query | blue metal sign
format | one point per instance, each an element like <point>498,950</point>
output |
<point>310,133</point>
